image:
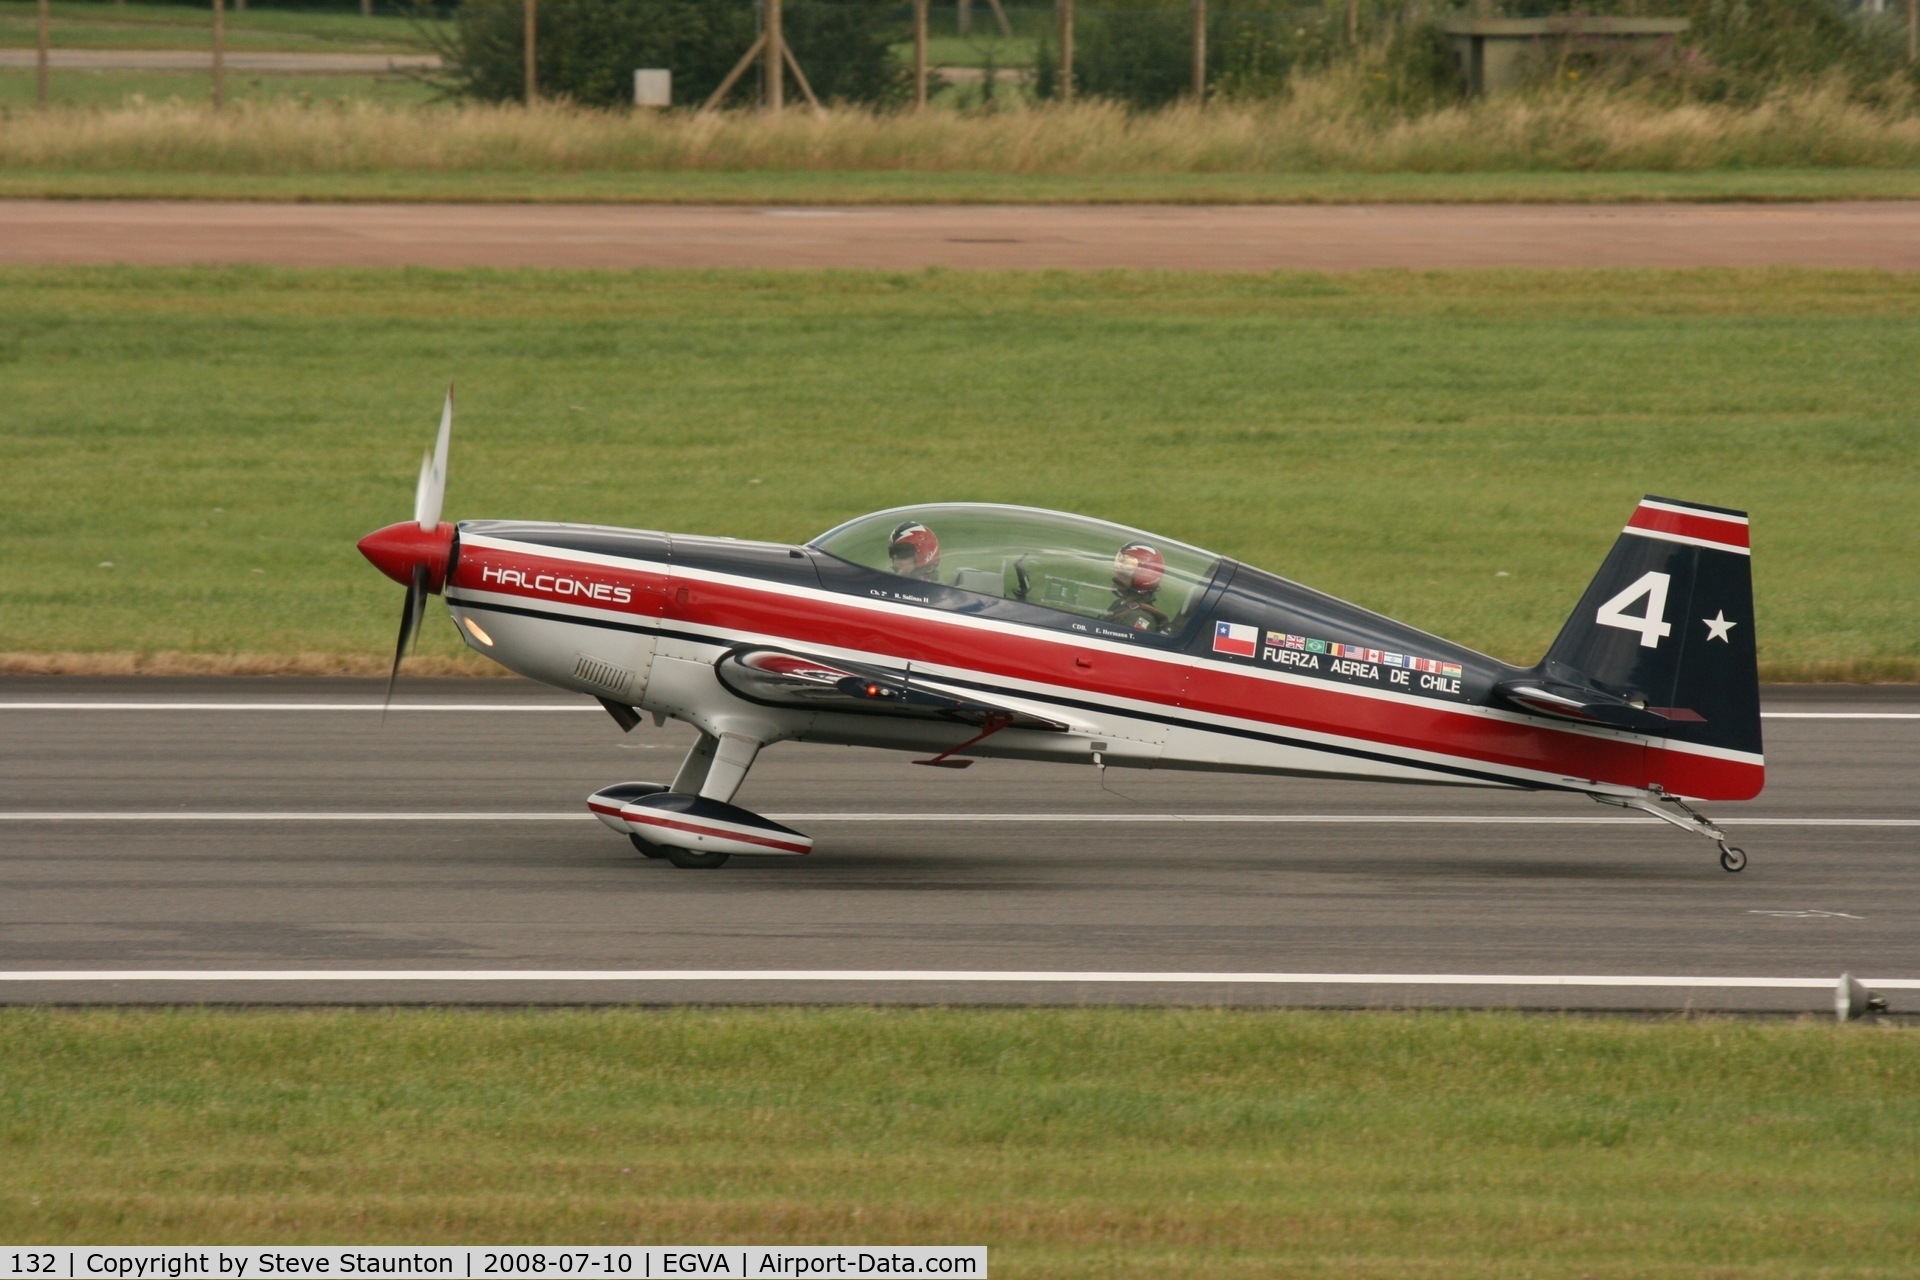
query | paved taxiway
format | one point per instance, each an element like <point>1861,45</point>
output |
<point>1883,234</point>
<point>98,889</point>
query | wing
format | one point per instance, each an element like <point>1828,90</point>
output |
<point>776,678</point>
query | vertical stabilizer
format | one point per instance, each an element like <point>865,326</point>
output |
<point>1667,629</point>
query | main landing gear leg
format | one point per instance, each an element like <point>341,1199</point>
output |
<point>1687,818</point>
<point>733,755</point>
<point>713,770</point>
<point>694,769</point>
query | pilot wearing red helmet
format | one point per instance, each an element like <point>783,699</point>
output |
<point>1137,572</point>
<point>914,551</point>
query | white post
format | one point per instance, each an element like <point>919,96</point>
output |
<point>652,87</point>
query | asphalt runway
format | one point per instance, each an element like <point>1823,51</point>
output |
<point>220,839</point>
<point>1872,234</point>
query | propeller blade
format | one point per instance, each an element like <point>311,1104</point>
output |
<point>410,615</point>
<point>433,473</point>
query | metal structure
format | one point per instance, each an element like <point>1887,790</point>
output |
<point>777,56</point>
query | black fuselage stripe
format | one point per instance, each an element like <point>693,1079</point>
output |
<point>1178,722</point>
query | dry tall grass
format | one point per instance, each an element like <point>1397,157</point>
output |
<point>1318,129</point>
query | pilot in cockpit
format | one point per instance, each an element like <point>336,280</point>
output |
<point>914,551</point>
<point>1137,572</point>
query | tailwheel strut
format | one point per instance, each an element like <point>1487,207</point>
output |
<point>1684,816</point>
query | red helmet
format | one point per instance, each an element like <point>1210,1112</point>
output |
<point>1138,568</point>
<point>911,538</point>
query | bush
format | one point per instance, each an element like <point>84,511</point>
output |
<point>1144,56</point>
<point>1747,48</point>
<point>1412,72</point>
<point>1741,52</point>
<point>587,50</point>
<point>1738,51</point>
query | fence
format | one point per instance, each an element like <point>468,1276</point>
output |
<point>900,52</point>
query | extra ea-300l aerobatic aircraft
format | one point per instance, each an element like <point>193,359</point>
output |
<point>964,630</point>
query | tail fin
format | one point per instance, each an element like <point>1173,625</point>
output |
<point>1663,642</point>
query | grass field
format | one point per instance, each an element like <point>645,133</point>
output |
<point>179,26</point>
<point>190,455</point>
<point>1107,1143</point>
<point>93,89</point>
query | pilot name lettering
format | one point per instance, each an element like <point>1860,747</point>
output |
<point>555,584</point>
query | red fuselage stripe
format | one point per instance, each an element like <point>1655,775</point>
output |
<point>659,820</point>
<point>1211,688</point>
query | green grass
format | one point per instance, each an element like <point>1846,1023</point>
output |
<point>179,26</point>
<point>1109,1143</point>
<point>800,186</point>
<point>974,50</point>
<point>1458,450</point>
<point>117,88</point>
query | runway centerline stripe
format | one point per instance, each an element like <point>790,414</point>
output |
<point>1274,819</point>
<point>510,707</point>
<point>1050,976</point>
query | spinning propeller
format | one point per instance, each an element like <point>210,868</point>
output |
<point>415,552</point>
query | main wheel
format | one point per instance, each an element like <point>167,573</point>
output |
<point>647,850</point>
<point>690,860</point>
<point>1733,859</point>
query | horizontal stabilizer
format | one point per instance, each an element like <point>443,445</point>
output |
<point>1590,705</point>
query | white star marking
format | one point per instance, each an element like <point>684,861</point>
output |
<point>1718,626</point>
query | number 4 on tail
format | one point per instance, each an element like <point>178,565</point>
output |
<point>1653,624</point>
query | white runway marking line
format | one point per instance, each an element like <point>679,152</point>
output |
<point>1809,915</point>
<point>1257,819</point>
<point>591,707</point>
<point>1051,976</point>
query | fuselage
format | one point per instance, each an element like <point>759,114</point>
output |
<point>1242,671</point>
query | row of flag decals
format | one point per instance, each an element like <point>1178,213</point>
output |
<point>1243,641</point>
<point>1359,653</point>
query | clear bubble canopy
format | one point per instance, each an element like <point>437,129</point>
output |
<point>1074,564</point>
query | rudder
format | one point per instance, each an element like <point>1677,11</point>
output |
<point>1663,641</point>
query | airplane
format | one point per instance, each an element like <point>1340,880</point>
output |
<point>961,631</point>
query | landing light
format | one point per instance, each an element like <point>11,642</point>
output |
<point>478,634</point>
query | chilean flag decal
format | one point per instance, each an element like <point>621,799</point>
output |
<point>1233,638</point>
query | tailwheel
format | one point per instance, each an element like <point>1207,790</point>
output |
<point>1731,858</point>
<point>647,850</point>
<point>693,860</point>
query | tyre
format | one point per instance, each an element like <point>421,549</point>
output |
<point>646,850</point>
<point>692,860</point>
<point>1733,859</point>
